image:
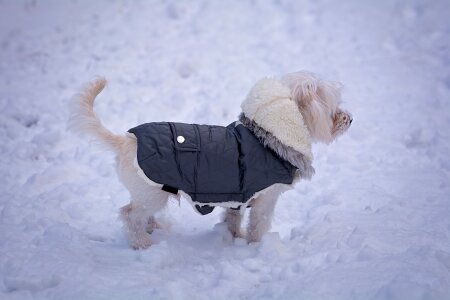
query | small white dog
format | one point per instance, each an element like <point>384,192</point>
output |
<point>249,163</point>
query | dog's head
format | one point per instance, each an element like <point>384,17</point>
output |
<point>319,101</point>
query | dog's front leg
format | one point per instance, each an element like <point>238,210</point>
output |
<point>233,219</point>
<point>261,213</point>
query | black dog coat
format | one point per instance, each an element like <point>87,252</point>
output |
<point>213,164</point>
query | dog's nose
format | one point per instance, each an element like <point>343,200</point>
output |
<point>351,120</point>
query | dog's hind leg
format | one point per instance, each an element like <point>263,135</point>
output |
<point>146,200</point>
<point>135,222</point>
<point>233,219</point>
<point>138,217</point>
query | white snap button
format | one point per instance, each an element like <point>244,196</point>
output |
<point>180,139</point>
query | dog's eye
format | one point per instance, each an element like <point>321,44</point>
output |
<point>345,118</point>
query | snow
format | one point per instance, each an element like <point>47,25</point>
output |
<point>372,224</point>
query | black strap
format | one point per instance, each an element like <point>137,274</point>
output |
<point>169,189</point>
<point>204,209</point>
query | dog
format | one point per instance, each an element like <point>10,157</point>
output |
<point>247,164</point>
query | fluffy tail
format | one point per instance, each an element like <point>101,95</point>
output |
<point>83,119</point>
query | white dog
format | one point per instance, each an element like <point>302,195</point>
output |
<point>250,163</point>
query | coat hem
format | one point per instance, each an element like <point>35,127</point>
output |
<point>229,204</point>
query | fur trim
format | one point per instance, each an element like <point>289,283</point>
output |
<point>296,158</point>
<point>269,104</point>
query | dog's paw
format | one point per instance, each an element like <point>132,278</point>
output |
<point>238,234</point>
<point>141,242</point>
<point>253,238</point>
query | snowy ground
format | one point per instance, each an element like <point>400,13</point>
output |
<point>372,224</point>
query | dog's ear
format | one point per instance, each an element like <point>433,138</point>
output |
<point>305,92</point>
<point>330,93</point>
<point>303,86</point>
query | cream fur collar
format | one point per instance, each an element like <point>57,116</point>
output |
<point>269,104</point>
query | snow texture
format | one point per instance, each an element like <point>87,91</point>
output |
<point>372,224</point>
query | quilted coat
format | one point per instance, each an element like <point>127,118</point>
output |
<point>212,164</point>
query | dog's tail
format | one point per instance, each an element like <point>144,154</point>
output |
<point>84,120</point>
